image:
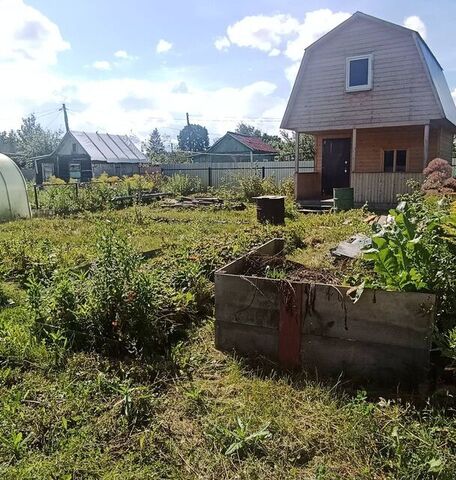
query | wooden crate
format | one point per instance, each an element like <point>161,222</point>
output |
<point>383,338</point>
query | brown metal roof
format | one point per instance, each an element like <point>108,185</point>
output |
<point>254,143</point>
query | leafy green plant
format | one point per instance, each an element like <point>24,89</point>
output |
<point>15,443</point>
<point>241,439</point>
<point>396,250</point>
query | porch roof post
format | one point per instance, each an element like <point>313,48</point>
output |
<point>426,146</point>
<point>353,150</point>
<point>296,152</point>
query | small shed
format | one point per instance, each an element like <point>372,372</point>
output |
<point>236,147</point>
<point>82,156</point>
<point>13,191</point>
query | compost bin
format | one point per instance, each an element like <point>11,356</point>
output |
<point>383,338</point>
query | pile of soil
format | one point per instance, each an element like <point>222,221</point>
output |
<point>280,268</point>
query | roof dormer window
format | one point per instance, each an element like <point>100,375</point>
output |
<point>358,73</point>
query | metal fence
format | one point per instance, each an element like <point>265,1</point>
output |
<point>225,173</point>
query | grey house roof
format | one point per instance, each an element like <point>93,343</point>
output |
<point>105,147</point>
<point>439,81</point>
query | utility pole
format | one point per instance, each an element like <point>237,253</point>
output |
<point>188,119</point>
<point>65,116</point>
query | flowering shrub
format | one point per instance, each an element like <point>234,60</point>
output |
<point>438,176</point>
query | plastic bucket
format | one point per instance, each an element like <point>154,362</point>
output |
<point>343,198</point>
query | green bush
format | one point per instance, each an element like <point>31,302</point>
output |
<point>67,198</point>
<point>250,186</point>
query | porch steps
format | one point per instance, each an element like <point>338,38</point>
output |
<point>315,206</point>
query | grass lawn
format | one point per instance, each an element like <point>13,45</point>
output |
<point>196,412</point>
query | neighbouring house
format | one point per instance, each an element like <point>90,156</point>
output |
<point>376,99</point>
<point>82,156</point>
<point>236,147</point>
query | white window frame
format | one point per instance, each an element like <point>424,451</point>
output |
<point>358,88</point>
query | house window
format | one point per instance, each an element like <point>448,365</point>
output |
<point>358,73</point>
<point>75,171</point>
<point>394,160</point>
<point>73,147</point>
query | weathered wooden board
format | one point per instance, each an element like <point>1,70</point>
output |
<point>378,363</point>
<point>384,337</point>
<point>248,340</point>
<point>392,318</point>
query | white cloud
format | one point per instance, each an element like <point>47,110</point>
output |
<point>315,24</point>
<point>415,23</point>
<point>291,71</point>
<point>27,35</point>
<point>163,46</point>
<point>262,32</point>
<point>101,65</point>
<point>121,54</point>
<point>121,104</point>
<point>162,106</point>
<point>222,43</point>
<point>269,33</point>
<point>281,34</point>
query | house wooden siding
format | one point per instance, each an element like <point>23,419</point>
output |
<point>402,90</point>
<point>372,142</point>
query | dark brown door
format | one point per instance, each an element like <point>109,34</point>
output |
<point>335,172</point>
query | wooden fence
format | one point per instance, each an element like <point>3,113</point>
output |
<point>224,173</point>
<point>380,190</point>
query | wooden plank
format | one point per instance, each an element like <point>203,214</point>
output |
<point>246,339</point>
<point>426,146</point>
<point>290,325</point>
<point>247,300</point>
<point>362,361</point>
<point>353,151</point>
<point>390,318</point>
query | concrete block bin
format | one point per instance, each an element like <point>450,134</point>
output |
<point>383,338</point>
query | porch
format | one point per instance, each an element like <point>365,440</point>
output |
<point>377,163</point>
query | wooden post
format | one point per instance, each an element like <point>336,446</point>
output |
<point>353,151</point>
<point>251,156</point>
<point>296,152</point>
<point>37,206</point>
<point>426,146</point>
<point>209,176</point>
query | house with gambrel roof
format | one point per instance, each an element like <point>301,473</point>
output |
<point>376,100</point>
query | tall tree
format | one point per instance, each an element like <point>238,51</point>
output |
<point>193,138</point>
<point>247,129</point>
<point>33,140</point>
<point>8,142</point>
<point>154,144</point>
<point>283,143</point>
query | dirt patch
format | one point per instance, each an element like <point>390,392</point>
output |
<point>282,269</point>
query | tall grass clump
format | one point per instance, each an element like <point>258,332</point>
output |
<point>179,184</point>
<point>116,306</point>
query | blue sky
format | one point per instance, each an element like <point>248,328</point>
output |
<point>127,67</point>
